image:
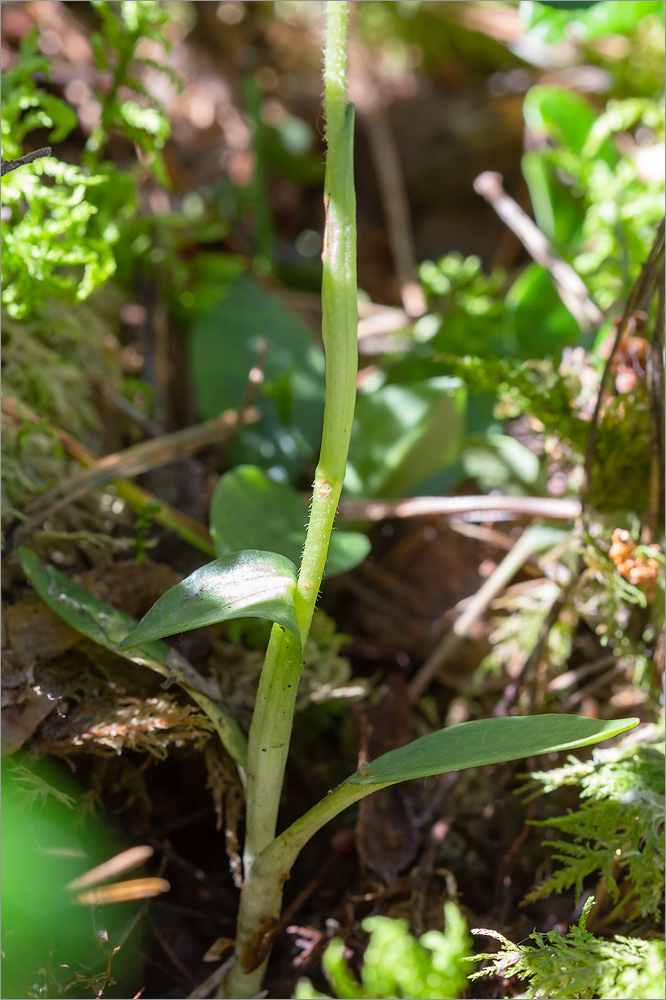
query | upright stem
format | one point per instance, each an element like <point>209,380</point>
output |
<point>270,732</point>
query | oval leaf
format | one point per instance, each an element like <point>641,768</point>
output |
<point>250,510</point>
<point>403,434</point>
<point>486,741</point>
<point>244,584</point>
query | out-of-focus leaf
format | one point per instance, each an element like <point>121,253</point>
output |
<point>86,613</point>
<point>225,344</point>
<point>403,434</point>
<point>559,214</point>
<point>552,21</point>
<point>563,117</point>
<point>499,463</point>
<point>487,741</point>
<point>618,17</point>
<point>542,324</point>
<point>45,846</point>
<point>251,511</point>
<point>242,585</point>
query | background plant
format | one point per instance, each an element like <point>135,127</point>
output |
<point>71,217</point>
<point>579,965</point>
<point>397,965</point>
<point>203,257</point>
<point>617,831</point>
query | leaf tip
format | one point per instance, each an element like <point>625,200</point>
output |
<point>128,642</point>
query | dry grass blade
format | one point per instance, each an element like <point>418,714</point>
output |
<point>123,862</point>
<point>490,506</point>
<point>119,892</point>
<point>136,460</point>
<point>123,892</point>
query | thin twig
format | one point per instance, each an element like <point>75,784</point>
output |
<point>134,461</point>
<point>212,982</point>
<point>396,209</point>
<point>569,284</point>
<point>478,508</point>
<point>9,165</point>
<point>189,529</point>
<point>507,569</point>
<point>511,691</point>
<point>654,371</point>
<point>371,90</point>
<point>482,533</point>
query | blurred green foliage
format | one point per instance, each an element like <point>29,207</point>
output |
<point>123,25</point>
<point>52,948</point>
<point>54,241</point>
<point>397,965</point>
<point>589,197</point>
<point>486,338</point>
<point>251,511</point>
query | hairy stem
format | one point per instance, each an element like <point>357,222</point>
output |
<point>272,721</point>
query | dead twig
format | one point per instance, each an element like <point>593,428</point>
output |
<point>213,981</point>
<point>188,529</point>
<point>475,608</point>
<point>134,461</point>
<point>9,165</point>
<point>372,90</point>
<point>396,209</point>
<point>511,691</point>
<point>569,284</point>
<point>477,508</point>
<point>654,371</point>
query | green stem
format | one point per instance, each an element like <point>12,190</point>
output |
<point>260,910</point>
<point>272,721</point>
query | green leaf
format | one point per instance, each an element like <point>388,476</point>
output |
<point>248,584</point>
<point>563,117</point>
<point>558,212</point>
<point>106,626</point>
<point>542,324</point>
<point>403,434</point>
<point>486,741</point>
<point>44,847</point>
<point>251,511</point>
<point>226,343</point>
<point>619,17</point>
<point>90,616</point>
<point>500,462</point>
<point>554,21</point>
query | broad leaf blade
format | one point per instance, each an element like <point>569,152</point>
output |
<point>403,434</point>
<point>250,510</point>
<point>226,342</point>
<point>486,741</point>
<point>243,584</point>
<point>106,626</point>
